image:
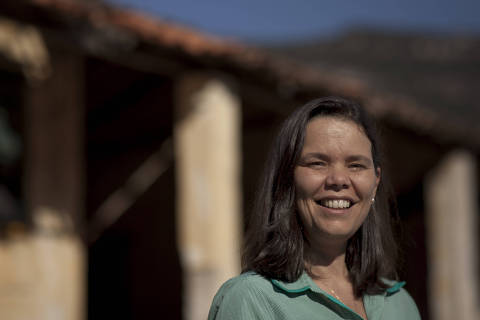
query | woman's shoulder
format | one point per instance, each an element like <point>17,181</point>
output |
<point>244,283</point>
<point>398,299</point>
<point>240,296</point>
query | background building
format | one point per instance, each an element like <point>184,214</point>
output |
<point>130,150</point>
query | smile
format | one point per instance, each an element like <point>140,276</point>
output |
<point>336,204</point>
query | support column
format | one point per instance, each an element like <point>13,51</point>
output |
<point>207,151</point>
<point>46,269</point>
<point>451,200</point>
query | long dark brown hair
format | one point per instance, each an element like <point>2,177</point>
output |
<point>274,240</point>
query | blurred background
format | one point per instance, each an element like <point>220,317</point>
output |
<point>133,132</point>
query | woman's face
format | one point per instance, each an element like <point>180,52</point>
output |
<point>335,179</point>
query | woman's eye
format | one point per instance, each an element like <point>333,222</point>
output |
<point>317,164</point>
<point>357,166</point>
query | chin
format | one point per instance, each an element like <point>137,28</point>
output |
<point>337,232</point>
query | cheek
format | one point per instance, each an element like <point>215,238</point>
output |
<point>304,209</point>
<point>366,185</point>
<point>304,189</point>
<point>306,183</point>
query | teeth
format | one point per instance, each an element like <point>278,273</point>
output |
<point>336,204</point>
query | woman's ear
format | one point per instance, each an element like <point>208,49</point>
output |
<point>378,174</point>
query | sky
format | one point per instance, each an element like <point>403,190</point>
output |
<point>290,20</point>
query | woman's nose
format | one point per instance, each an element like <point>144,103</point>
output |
<point>337,179</point>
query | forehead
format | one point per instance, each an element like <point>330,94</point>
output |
<point>333,132</point>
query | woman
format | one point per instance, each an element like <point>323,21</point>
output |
<point>320,243</point>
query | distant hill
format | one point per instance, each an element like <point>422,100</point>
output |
<point>440,72</point>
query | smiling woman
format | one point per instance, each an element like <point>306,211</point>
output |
<point>320,242</point>
<point>335,180</point>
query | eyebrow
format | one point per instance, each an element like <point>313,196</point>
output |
<point>315,155</point>
<point>359,157</point>
<point>355,157</point>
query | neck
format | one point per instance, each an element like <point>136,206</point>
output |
<point>326,262</point>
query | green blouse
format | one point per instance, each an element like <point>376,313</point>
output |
<point>251,296</point>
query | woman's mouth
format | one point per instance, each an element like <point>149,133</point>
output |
<point>335,203</point>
